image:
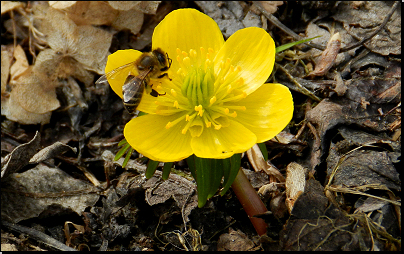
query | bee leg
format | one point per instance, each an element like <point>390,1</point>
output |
<point>154,93</point>
<point>164,75</point>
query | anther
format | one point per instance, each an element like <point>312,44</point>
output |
<point>169,125</point>
<point>173,93</point>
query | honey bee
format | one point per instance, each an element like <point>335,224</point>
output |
<point>149,65</point>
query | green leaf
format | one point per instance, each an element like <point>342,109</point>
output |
<point>288,45</point>
<point>215,175</point>
<point>264,150</point>
<point>151,168</point>
<point>122,142</point>
<point>127,157</point>
<point>202,168</point>
<point>141,113</point>
<point>235,163</point>
<point>191,165</point>
<point>121,152</point>
<point>167,170</point>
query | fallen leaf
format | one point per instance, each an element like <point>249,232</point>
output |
<point>328,56</point>
<point>27,195</point>
<point>235,240</point>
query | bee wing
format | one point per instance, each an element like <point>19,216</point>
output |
<point>115,72</point>
<point>131,87</point>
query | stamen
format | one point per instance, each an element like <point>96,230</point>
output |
<point>199,109</point>
<point>211,51</point>
<point>192,53</point>
<point>235,98</point>
<point>176,105</point>
<point>187,61</point>
<point>242,108</point>
<point>212,100</point>
<point>171,124</point>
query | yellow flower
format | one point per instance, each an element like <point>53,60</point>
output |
<point>216,103</point>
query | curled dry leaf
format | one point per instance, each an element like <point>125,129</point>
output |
<point>5,71</point>
<point>295,183</point>
<point>20,156</point>
<point>20,65</point>
<point>328,56</point>
<point>259,164</point>
<point>51,151</point>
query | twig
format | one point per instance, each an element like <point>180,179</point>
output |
<point>301,88</point>
<point>39,236</point>
<point>284,28</point>
<point>364,40</point>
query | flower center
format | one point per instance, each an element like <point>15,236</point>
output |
<point>206,92</point>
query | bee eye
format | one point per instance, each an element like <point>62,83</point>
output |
<point>161,58</point>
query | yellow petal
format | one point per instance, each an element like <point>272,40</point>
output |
<point>118,59</point>
<point>268,111</point>
<point>186,29</point>
<point>148,135</point>
<point>253,50</point>
<point>223,143</point>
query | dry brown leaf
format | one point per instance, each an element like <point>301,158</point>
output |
<point>13,111</point>
<point>55,65</point>
<point>132,20</point>
<point>35,93</point>
<point>86,44</point>
<point>234,241</point>
<point>45,188</point>
<point>89,12</point>
<point>5,70</point>
<point>7,6</point>
<point>259,164</point>
<point>295,183</point>
<point>20,65</point>
<point>328,56</point>
<point>61,5</point>
<point>149,7</point>
<point>271,6</point>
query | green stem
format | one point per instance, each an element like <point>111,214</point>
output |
<point>250,201</point>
